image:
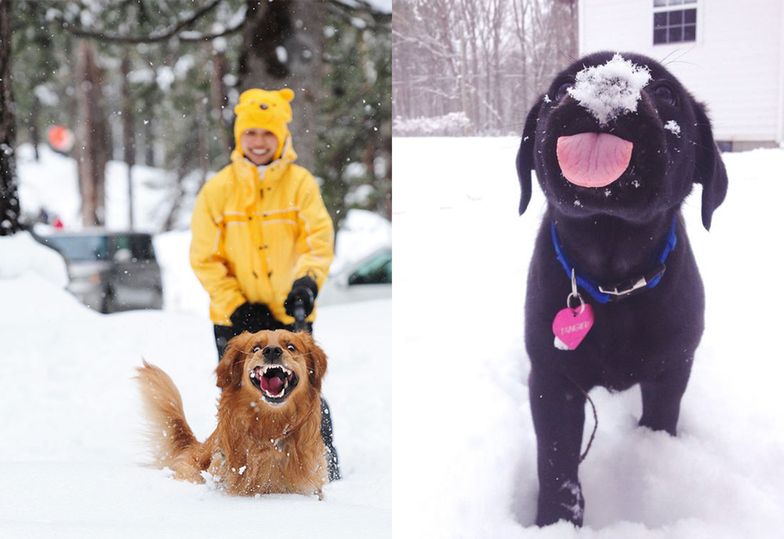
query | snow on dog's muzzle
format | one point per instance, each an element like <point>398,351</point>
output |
<point>274,381</point>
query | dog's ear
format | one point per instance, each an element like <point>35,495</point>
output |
<point>710,170</point>
<point>316,361</point>
<point>229,370</point>
<point>525,155</point>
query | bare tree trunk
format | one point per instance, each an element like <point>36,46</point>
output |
<point>203,144</point>
<point>498,105</point>
<point>520,9</point>
<point>129,142</point>
<point>35,136</point>
<point>469,16</point>
<point>178,197</point>
<point>220,101</point>
<point>149,137</point>
<point>570,30</point>
<point>282,46</point>
<point>9,196</point>
<point>90,136</point>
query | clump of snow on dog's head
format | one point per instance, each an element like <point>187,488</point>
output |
<point>611,89</point>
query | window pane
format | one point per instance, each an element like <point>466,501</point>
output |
<point>690,16</point>
<point>689,1</point>
<point>660,36</point>
<point>675,34</point>
<point>690,32</point>
<point>659,19</point>
<point>676,18</point>
<point>675,2</point>
<point>659,3</point>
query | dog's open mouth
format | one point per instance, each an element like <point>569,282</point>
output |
<point>274,381</point>
<point>593,159</point>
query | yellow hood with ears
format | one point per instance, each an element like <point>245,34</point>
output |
<point>264,109</point>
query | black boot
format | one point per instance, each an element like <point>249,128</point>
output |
<point>333,467</point>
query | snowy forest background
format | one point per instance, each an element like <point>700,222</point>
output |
<point>154,83</point>
<point>468,67</point>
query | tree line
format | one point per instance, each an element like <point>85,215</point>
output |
<point>469,67</point>
<point>154,82</point>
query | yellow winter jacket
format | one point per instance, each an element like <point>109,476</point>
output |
<point>252,237</point>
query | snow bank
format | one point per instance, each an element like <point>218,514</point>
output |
<point>611,89</point>
<point>21,255</point>
<point>463,431</point>
<point>72,448</point>
<point>361,233</point>
<point>182,291</point>
<point>452,124</point>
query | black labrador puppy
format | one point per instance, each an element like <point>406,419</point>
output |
<point>614,295</point>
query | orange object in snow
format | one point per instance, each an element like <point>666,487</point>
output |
<point>61,139</point>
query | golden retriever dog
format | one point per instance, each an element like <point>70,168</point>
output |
<point>268,436</point>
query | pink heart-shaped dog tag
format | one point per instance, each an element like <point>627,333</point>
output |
<point>570,326</point>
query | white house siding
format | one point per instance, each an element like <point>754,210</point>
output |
<point>735,66</point>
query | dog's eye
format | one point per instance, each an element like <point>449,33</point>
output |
<point>561,92</point>
<point>665,94</point>
<point>291,348</point>
<point>256,349</point>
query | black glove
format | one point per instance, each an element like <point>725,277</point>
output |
<point>303,290</point>
<point>253,317</point>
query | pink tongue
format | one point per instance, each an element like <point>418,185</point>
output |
<point>272,384</point>
<point>593,159</point>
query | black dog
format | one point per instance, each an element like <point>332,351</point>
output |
<point>615,172</point>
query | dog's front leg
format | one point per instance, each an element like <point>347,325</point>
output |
<point>558,410</point>
<point>661,398</point>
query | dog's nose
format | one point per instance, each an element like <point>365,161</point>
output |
<point>272,353</point>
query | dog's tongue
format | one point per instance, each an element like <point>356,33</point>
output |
<point>593,159</point>
<point>271,384</point>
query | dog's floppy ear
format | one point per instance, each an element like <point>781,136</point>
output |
<point>710,168</point>
<point>229,370</point>
<point>316,360</point>
<point>525,155</point>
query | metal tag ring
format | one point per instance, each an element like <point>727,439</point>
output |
<point>569,302</point>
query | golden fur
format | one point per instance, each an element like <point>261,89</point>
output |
<point>257,447</point>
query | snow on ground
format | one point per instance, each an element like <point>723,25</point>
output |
<point>464,447</point>
<point>72,454</point>
<point>71,439</point>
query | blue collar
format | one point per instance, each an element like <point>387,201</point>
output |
<point>619,291</point>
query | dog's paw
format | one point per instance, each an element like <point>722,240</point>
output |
<point>567,503</point>
<point>187,472</point>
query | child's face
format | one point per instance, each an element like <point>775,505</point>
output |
<point>258,145</point>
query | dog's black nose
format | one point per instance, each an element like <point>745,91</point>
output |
<point>272,353</point>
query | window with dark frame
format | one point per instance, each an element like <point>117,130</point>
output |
<point>673,22</point>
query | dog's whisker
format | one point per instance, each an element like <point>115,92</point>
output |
<point>663,61</point>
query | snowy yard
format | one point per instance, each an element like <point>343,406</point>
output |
<point>72,453</point>
<point>71,445</point>
<point>464,447</point>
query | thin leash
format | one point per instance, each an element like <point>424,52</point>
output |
<point>595,416</point>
